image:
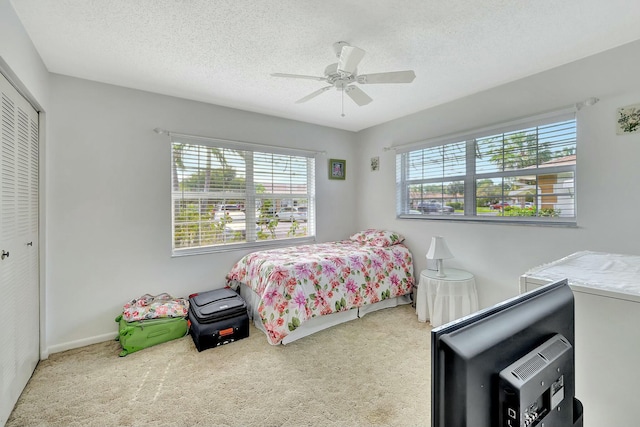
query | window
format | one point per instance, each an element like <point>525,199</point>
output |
<point>519,172</point>
<point>226,194</point>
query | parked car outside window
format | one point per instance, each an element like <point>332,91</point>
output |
<point>292,214</point>
<point>229,207</point>
<point>434,207</point>
<point>499,205</point>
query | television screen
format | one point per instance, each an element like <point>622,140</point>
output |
<point>508,365</point>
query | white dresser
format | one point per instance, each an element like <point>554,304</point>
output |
<point>606,288</point>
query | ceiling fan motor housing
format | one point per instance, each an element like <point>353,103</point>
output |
<point>339,79</point>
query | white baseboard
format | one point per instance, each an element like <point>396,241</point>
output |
<point>44,353</point>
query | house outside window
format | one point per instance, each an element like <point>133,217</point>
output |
<point>226,195</point>
<point>521,172</point>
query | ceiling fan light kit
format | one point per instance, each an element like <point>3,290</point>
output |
<point>343,75</point>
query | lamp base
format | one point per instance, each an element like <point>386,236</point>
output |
<point>440,268</point>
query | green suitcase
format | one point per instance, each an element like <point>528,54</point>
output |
<point>134,336</point>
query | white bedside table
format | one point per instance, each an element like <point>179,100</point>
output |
<point>443,299</point>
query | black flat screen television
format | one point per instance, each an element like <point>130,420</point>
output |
<point>508,365</point>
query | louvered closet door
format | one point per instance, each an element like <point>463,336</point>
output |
<point>19,333</point>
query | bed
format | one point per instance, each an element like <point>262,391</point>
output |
<point>295,291</point>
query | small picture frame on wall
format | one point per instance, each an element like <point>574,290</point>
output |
<point>628,119</point>
<point>337,169</point>
<point>375,164</point>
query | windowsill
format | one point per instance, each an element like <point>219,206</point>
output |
<point>492,220</point>
<point>269,244</point>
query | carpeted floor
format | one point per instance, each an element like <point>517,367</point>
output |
<point>373,371</point>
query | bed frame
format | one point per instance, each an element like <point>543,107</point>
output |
<point>319,323</point>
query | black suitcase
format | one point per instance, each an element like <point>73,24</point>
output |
<point>217,317</point>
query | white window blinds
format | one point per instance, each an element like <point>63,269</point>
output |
<point>523,172</point>
<point>225,194</point>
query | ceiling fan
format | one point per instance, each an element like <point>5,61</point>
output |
<point>343,75</point>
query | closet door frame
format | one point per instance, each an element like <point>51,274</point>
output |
<point>36,142</point>
<point>7,72</point>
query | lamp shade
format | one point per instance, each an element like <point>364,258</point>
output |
<point>439,249</point>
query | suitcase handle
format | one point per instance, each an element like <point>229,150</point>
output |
<point>225,332</point>
<point>159,332</point>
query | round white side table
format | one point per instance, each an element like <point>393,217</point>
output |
<point>444,299</point>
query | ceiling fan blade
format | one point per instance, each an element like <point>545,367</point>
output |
<point>313,95</point>
<point>350,57</point>
<point>391,77</point>
<point>358,96</point>
<point>298,76</point>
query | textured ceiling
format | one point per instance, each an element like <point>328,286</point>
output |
<point>223,51</point>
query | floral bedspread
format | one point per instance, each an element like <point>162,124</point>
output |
<point>301,282</point>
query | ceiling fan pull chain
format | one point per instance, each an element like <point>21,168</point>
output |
<point>342,103</point>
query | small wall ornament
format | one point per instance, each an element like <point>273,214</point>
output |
<point>628,119</point>
<point>375,164</point>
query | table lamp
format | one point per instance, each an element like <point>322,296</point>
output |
<point>439,251</point>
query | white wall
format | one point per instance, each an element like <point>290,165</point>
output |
<point>109,205</point>
<point>607,172</point>
<point>17,51</point>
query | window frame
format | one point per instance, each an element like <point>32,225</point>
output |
<point>471,175</point>
<point>248,194</point>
